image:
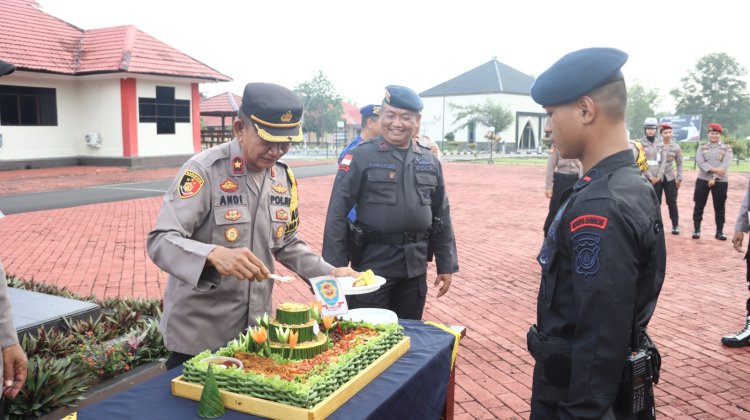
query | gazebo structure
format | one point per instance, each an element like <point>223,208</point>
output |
<point>214,112</point>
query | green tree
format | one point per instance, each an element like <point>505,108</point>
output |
<point>717,89</point>
<point>489,114</point>
<point>322,105</point>
<point>641,103</point>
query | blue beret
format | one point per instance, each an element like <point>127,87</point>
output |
<point>577,74</point>
<point>402,97</point>
<point>371,110</point>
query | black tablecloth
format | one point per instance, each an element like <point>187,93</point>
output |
<point>414,387</point>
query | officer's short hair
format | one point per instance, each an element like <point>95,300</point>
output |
<point>612,99</point>
<point>365,119</point>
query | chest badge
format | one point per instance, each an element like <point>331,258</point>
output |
<point>190,184</point>
<point>279,232</point>
<point>280,188</point>
<point>232,234</point>
<point>282,214</point>
<point>232,215</point>
<point>228,186</point>
<point>392,175</point>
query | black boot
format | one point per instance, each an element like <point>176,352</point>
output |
<point>720,232</point>
<point>741,339</point>
<point>675,230</point>
<point>697,231</point>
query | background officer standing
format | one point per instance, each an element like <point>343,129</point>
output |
<point>399,191</point>
<point>713,160</point>
<point>604,257</point>
<point>228,214</point>
<point>13,363</point>
<point>652,148</point>
<point>370,128</point>
<point>561,175</point>
<point>742,338</point>
<point>671,155</point>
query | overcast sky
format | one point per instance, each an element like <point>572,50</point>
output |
<point>363,46</point>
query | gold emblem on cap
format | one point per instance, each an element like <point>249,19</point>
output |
<point>387,96</point>
<point>376,109</point>
<point>286,117</point>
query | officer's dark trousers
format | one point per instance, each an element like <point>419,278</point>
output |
<point>700,197</point>
<point>747,260</point>
<point>542,411</point>
<point>560,183</point>
<point>176,359</point>
<point>404,296</point>
<point>670,191</point>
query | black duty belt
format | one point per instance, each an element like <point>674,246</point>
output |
<point>397,238</point>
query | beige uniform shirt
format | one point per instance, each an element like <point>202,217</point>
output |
<point>671,156</point>
<point>560,165</point>
<point>709,156</point>
<point>213,201</point>
<point>742,224</point>
<point>8,335</point>
<point>653,156</point>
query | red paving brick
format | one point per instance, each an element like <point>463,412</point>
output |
<point>498,211</point>
<point>48,179</point>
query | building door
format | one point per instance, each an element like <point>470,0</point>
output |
<point>528,137</point>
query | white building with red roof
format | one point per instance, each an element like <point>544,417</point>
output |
<point>105,96</point>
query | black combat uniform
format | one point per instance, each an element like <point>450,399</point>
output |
<point>396,192</point>
<point>603,259</point>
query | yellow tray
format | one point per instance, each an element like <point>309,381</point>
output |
<point>270,409</point>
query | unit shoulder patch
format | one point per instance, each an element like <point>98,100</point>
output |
<point>190,184</point>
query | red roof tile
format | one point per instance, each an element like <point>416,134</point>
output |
<point>34,40</point>
<point>351,114</point>
<point>226,103</point>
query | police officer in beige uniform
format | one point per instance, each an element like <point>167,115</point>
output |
<point>713,159</point>
<point>561,175</point>
<point>12,359</point>
<point>742,226</point>
<point>671,156</point>
<point>230,212</point>
<point>652,148</point>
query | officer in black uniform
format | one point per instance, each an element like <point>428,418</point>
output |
<point>604,257</point>
<point>398,188</point>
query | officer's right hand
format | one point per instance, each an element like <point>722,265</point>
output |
<point>238,262</point>
<point>737,241</point>
<point>719,171</point>
<point>654,180</point>
<point>548,193</point>
<point>711,183</point>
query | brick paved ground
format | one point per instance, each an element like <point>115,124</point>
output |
<point>48,179</point>
<point>498,211</point>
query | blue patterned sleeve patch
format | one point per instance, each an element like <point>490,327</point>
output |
<point>587,246</point>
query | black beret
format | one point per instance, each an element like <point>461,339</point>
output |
<point>275,111</point>
<point>577,74</point>
<point>6,68</point>
<point>402,97</point>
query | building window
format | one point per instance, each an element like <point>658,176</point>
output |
<point>164,110</point>
<point>23,105</point>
